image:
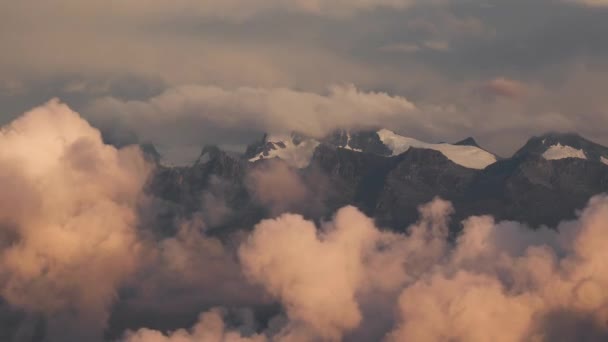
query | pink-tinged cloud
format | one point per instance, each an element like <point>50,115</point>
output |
<point>504,87</point>
<point>68,206</point>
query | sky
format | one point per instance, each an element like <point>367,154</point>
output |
<point>184,73</point>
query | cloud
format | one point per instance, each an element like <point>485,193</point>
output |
<point>199,109</point>
<point>319,294</point>
<point>504,87</point>
<point>319,275</point>
<point>275,185</point>
<point>68,208</point>
<point>488,289</point>
<point>211,327</point>
<point>345,279</point>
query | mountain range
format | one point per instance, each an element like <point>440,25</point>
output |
<point>384,174</point>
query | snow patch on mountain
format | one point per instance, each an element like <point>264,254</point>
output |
<point>348,147</point>
<point>297,154</point>
<point>468,156</point>
<point>604,160</point>
<point>560,151</point>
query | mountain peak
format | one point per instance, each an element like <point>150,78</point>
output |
<point>468,156</point>
<point>295,149</point>
<point>360,141</point>
<point>561,145</point>
<point>470,141</point>
<point>208,153</point>
<point>150,153</point>
<point>564,138</point>
<point>298,150</point>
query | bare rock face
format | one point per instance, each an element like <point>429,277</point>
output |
<point>357,168</point>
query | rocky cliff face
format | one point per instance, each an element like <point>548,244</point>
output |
<point>359,169</point>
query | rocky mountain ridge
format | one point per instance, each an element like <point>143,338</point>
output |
<point>542,184</point>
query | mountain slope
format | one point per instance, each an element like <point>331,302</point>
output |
<point>553,146</point>
<point>388,176</point>
<point>294,150</point>
<point>297,151</point>
<point>466,155</point>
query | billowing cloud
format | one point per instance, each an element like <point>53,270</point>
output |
<point>509,290</point>
<point>211,327</point>
<point>319,275</point>
<point>318,294</point>
<point>275,110</point>
<point>67,217</point>
<point>350,281</point>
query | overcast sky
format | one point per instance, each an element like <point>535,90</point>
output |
<point>184,73</point>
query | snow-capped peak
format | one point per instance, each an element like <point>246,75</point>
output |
<point>294,150</point>
<point>298,151</point>
<point>348,142</point>
<point>556,146</point>
<point>559,151</point>
<point>468,156</point>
